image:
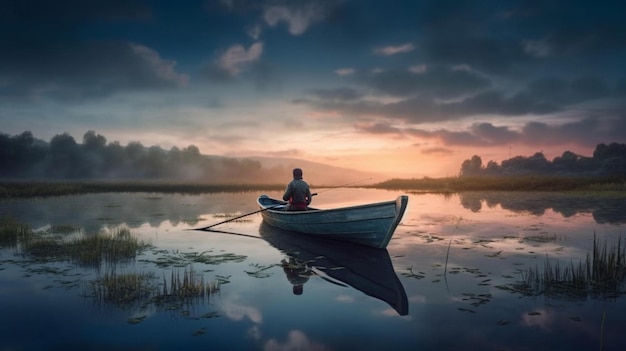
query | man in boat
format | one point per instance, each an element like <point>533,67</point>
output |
<point>297,193</point>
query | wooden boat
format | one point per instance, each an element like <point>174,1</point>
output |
<point>363,268</point>
<point>371,224</point>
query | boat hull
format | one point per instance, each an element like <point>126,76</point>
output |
<point>371,224</point>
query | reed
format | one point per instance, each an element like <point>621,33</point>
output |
<point>602,274</point>
<point>123,290</point>
<point>190,285</point>
<point>112,247</point>
<point>119,245</point>
<point>128,290</point>
<point>12,232</point>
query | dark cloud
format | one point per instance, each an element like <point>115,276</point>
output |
<point>437,151</point>
<point>89,70</point>
<point>341,94</point>
<point>587,132</point>
<point>503,37</point>
<point>436,81</point>
<point>380,128</point>
<point>573,27</point>
<point>45,54</point>
<point>492,134</point>
<point>31,11</point>
<point>540,97</point>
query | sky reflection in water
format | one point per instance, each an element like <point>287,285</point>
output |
<point>488,239</point>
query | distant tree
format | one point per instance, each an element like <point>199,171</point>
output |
<point>611,159</point>
<point>114,161</point>
<point>93,142</point>
<point>19,155</point>
<point>472,166</point>
<point>538,163</point>
<point>64,158</point>
<point>156,163</point>
<point>93,150</point>
<point>492,168</point>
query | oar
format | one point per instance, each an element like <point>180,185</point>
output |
<point>226,232</point>
<point>235,218</point>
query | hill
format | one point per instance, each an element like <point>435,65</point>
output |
<point>317,173</point>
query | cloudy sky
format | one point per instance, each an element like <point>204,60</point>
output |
<point>406,87</point>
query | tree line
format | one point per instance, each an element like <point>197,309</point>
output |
<point>23,156</point>
<point>607,160</point>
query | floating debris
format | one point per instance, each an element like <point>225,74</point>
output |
<point>136,320</point>
<point>411,274</point>
<point>182,259</point>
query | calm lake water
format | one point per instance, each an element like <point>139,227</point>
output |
<point>447,281</point>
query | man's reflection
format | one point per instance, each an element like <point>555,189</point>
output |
<point>297,273</point>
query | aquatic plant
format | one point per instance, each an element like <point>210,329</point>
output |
<point>122,290</point>
<point>118,245</point>
<point>12,231</point>
<point>191,284</point>
<point>176,258</point>
<point>132,289</point>
<point>602,274</point>
<point>109,247</point>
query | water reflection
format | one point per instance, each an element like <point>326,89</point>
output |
<point>492,240</point>
<point>297,272</point>
<point>366,269</point>
<point>95,211</point>
<point>605,210</point>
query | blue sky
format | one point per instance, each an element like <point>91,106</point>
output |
<point>404,87</point>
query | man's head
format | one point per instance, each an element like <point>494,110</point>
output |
<point>297,173</point>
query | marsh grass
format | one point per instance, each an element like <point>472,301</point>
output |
<point>602,274</point>
<point>9,189</point>
<point>123,290</point>
<point>132,289</point>
<point>505,183</point>
<point>12,232</point>
<point>189,285</point>
<point>115,246</point>
<point>109,247</point>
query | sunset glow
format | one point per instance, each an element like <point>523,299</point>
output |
<point>408,89</point>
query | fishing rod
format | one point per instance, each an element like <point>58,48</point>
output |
<point>344,185</point>
<point>208,228</point>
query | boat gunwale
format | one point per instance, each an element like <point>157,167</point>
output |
<point>268,208</point>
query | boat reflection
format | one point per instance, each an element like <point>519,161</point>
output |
<point>366,269</point>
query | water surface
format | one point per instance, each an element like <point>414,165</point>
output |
<point>442,284</point>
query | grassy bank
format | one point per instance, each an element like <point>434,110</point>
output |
<point>508,183</point>
<point>11,189</point>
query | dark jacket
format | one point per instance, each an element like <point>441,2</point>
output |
<point>298,194</point>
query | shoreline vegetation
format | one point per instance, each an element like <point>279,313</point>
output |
<point>547,183</point>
